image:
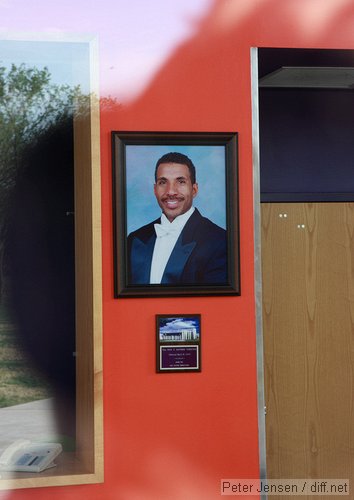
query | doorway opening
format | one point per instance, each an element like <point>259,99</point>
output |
<point>303,102</point>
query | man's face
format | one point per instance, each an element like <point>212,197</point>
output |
<point>174,190</point>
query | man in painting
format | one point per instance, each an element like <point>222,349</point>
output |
<point>182,246</point>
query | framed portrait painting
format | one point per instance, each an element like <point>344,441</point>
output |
<point>175,208</point>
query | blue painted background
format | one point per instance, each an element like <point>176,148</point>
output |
<point>142,206</point>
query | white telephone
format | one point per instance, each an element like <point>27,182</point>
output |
<point>26,456</point>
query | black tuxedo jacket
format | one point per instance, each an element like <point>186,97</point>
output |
<point>199,256</point>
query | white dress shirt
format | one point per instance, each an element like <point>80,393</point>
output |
<point>167,234</point>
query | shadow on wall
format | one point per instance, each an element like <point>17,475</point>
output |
<point>41,267</point>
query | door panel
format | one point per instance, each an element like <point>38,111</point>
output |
<point>308,324</point>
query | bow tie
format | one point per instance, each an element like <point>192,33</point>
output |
<point>162,230</point>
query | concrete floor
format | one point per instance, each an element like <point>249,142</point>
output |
<point>33,421</point>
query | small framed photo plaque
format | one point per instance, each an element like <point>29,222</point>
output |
<point>178,343</point>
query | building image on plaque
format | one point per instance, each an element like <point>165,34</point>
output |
<point>179,329</point>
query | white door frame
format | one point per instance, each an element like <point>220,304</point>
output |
<point>257,265</point>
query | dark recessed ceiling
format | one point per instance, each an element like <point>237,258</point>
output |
<point>310,77</point>
<point>306,68</point>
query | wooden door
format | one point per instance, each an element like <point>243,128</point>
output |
<point>308,322</point>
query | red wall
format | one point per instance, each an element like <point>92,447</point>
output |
<point>175,436</point>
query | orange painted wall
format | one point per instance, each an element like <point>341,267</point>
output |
<point>175,436</point>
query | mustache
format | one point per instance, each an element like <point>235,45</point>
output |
<point>172,197</point>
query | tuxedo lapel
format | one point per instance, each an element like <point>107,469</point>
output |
<point>182,250</point>
<point>141,256</point>
<point>177,261</point>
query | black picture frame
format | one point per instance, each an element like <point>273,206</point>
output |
<point>178,343</point>
<point>134,156</point>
